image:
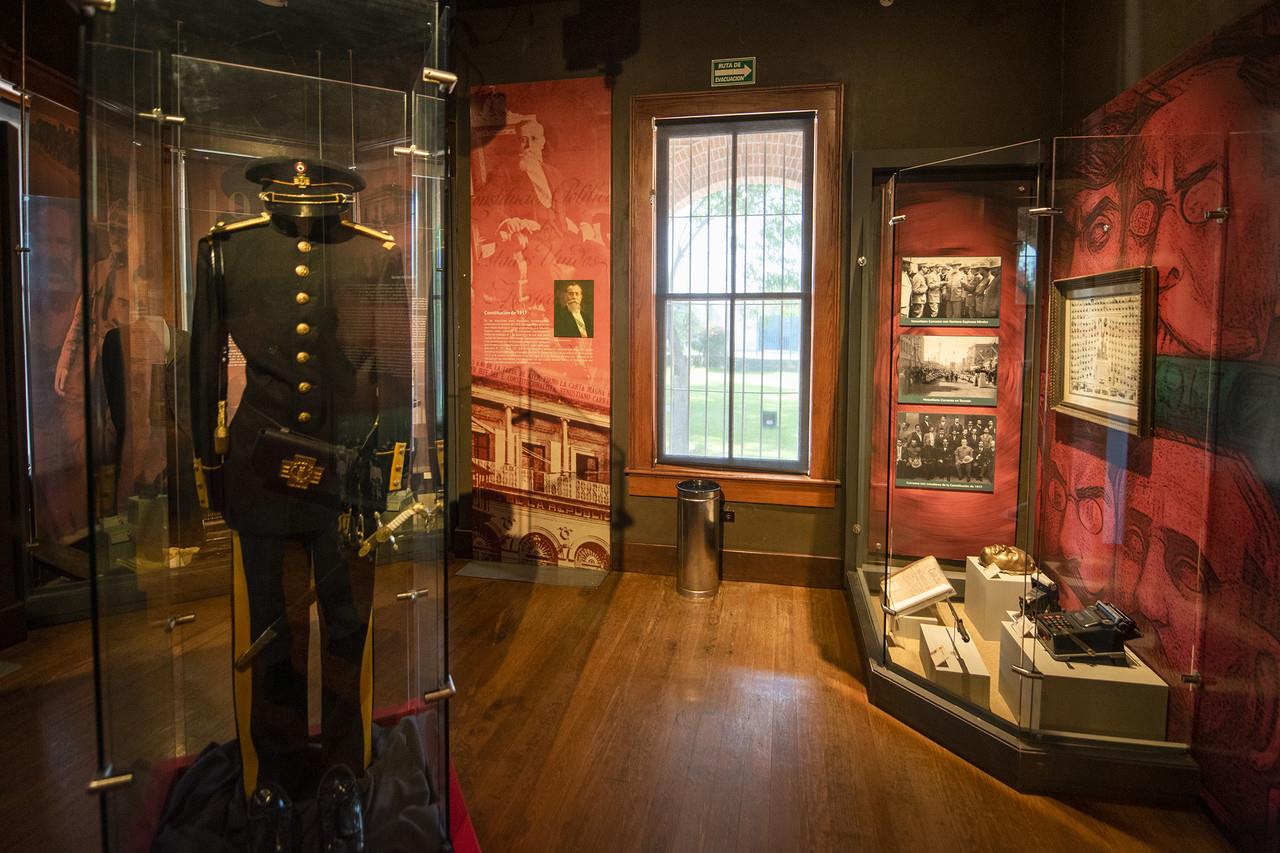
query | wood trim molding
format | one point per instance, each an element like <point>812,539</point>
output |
<point>750,566</point>
<point>743,487</point>
<point>826,101</point>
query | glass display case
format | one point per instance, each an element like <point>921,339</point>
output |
<point>258,352</point>
<point>967,609</point>
<point>55,520</point>
<point>1178,524</point>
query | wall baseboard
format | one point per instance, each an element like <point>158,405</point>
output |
<point>754,566</point>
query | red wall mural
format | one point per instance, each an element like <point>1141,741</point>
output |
<point>540,328</point>
<point>1182,529</point>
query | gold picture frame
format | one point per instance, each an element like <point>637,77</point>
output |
<point>1102,331</point>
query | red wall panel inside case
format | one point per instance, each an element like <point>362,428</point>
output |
<point>960,219</point>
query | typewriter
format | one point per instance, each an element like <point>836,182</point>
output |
<point>1096,634</point>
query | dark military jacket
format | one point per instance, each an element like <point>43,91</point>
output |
<point>323,323</point>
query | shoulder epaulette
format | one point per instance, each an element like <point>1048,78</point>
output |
<point>227,227</point>
<point>384,236</point>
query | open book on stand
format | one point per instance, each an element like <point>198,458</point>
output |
<point>916,586</point>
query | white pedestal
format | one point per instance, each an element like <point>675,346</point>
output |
<point>966,676</point>
<point>908,627</point>
<point>1072,696</point>
<point>988,595</point>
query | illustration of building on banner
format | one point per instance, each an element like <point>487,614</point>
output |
<point>540,473</point>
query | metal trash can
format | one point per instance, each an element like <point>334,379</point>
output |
<point>699,534</point>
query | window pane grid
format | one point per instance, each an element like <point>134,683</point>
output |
<point>732,295</point>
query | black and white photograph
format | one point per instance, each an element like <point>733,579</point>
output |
<point>950,291</point>
<point>953,370</point>
<point>953,452</point>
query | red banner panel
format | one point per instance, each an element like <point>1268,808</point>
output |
<point>540,325</point>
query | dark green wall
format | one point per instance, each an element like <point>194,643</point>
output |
<point>920,74</point>
<point>1109,45</point>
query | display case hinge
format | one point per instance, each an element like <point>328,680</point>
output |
<point>174,621</point>
<point>1192,678</point>
<point>22,250</point>
<point>161,117</point>
<point>108,780</point>
<point>413,594</point>
<point>1218,214</point>
<point>898,219</point>
<point>1044,211</point>
<point>411,151</point>
<point>446,80</point>
<point>88,7</point>
<point>440,694</point>
<point>1026,673</point>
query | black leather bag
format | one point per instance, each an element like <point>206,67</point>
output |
<point>304,467</point>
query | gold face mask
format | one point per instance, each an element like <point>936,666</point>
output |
<point>1008,559</point>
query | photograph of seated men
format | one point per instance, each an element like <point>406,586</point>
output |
<point>955,452</point>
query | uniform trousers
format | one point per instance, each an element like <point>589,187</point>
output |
<point>270,575</point>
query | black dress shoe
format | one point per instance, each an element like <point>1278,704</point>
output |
<point>269,823</point>
<point>341,811</point>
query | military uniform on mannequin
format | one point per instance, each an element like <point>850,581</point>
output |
<point>318,306</point>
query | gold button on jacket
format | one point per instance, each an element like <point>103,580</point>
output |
<point>302,270</point>
<point>302,297</point>
<point>304,246</point>
<point>304,417</point>
<point>303,329</point>
<point>304,387</point>
<point>303,357</point>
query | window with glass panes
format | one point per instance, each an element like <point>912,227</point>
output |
<point>733,285</point>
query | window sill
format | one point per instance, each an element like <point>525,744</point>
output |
<point>738,486</point>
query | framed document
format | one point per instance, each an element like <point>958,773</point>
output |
<point>1102,348</point>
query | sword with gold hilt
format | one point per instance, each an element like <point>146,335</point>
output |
<point>384,533</point>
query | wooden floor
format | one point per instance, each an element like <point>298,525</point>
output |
<point>630,719</point>
<point>626,718</point>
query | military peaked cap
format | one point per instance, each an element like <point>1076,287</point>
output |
<point>293,180</point>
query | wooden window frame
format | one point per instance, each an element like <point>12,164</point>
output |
<point>645,476</point>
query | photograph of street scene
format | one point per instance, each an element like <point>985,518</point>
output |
<point>955,452</point>
<point>950,292</point>
<point>947,369</point>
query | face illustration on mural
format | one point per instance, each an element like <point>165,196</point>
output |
<point>1239,578</point>
<point>1152,210</point>
<point>1161,573</point>
<point>532,140</point>
<point>1095,218</point>
<point>1080,522</point>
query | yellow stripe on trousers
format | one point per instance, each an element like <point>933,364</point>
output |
<point>242,682</point>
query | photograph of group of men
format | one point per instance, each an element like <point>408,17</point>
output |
<point>951,369</point>
<point>950,292</point>
<point>956,452</point>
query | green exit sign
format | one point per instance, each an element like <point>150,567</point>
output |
<point>738,71</point>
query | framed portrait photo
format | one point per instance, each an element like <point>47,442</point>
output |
<point>1102,331</point>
